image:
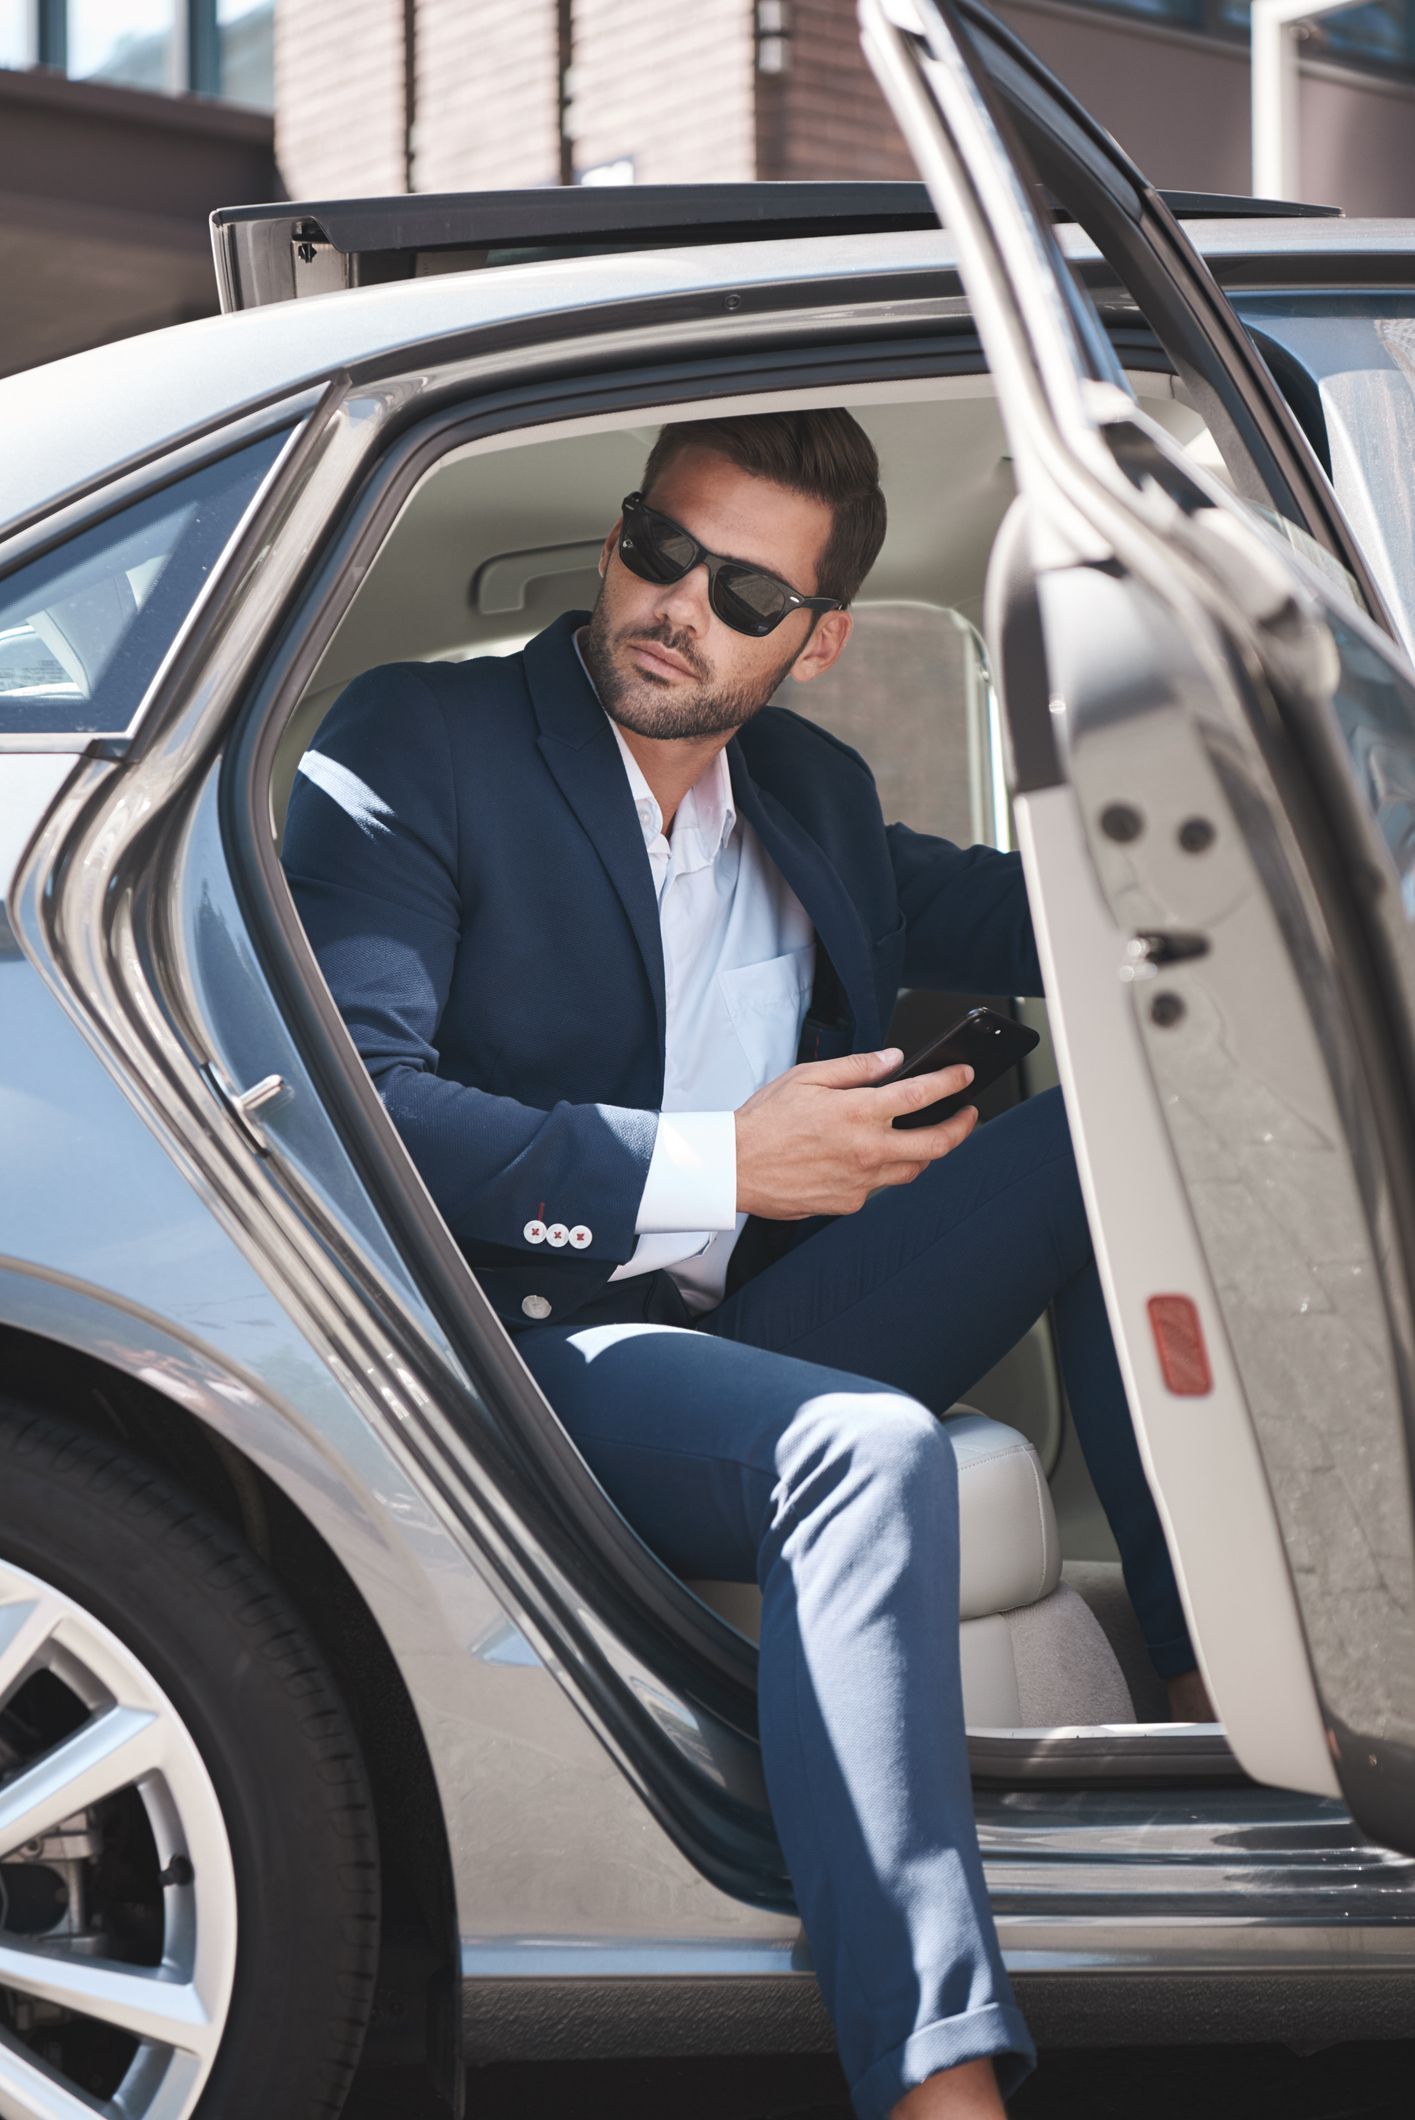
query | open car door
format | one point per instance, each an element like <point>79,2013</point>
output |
<point>1211,744</point>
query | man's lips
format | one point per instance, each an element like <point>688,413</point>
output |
<point>662,659</point>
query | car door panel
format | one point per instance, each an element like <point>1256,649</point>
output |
<point>1209,765</point>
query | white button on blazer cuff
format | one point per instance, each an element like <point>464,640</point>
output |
<point>692,1180</point>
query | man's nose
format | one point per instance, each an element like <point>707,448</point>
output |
<point>684,603</point>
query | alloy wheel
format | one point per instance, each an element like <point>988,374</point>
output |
<point>117,1886</point>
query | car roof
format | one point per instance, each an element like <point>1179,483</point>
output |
<point>71,424</point>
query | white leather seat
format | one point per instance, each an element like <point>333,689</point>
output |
<point>1033,1654</point>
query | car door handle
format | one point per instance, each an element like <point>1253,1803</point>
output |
<point>1153,947</point>
<point>244,1105</point>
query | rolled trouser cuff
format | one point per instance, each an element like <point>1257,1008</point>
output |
<point>1173,1658</point>
<point>997,2033</point>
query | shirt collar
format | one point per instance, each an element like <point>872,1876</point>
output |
<point>707,809</point>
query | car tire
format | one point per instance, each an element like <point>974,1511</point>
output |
<point>257,1816</point>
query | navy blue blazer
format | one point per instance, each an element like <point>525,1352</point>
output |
<point>464,852</point>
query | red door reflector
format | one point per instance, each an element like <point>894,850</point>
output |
<point>1179,1343</point>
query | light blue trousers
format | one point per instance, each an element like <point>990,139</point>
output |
<point>791,1437</point>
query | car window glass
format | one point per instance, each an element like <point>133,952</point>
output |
<point>1352,354</point>
<point>84,627</point>
<point>1303,543</point>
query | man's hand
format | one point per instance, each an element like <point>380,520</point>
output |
<point>819,1139</point>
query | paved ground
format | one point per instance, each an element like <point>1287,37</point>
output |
<point>1187,2083</point>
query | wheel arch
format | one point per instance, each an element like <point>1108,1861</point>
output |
<point>417,2012</point>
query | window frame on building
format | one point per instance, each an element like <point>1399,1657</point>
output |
<point>1330,39</point>
<point>196,62</point>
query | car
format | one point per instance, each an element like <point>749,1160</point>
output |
<point>341,1713</point>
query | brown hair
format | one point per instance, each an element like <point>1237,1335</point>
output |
<point>825,455</point>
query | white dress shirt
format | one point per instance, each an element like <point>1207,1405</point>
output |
<point>739,955</point>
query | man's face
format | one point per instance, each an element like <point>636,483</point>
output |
<point>663,662</point>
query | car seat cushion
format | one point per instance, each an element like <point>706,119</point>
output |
<point>1010,1552</point>
<point>1045,1666</point>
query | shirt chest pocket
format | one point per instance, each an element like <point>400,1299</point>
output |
<point>765,1003</point>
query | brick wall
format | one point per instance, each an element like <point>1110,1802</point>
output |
<point>485,86</point>
<point>823,116</point>
<point>671,84</point>
<point>339,97</point>
<point>487,96</point>
<point>675,85</point>
<point>668,82</point>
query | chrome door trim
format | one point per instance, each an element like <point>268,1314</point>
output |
<point>79,743</point>
<point>635,1958</point>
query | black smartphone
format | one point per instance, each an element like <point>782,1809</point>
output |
<point>985,1041</point>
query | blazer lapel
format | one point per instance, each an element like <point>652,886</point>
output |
<point>817,883</point>
<point>578,746</point>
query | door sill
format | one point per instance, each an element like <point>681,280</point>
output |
<point>1110,1755</point>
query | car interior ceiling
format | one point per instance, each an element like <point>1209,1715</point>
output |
<point>502,535</point>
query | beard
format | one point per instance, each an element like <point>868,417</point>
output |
<point>659,706</point>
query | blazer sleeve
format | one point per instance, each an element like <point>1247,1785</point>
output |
<point>967,924</point>
<point>371,853</point>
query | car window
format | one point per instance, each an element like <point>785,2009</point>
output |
<point>1347,359</point>
<point>1306,547</point>
<point>84,627</point>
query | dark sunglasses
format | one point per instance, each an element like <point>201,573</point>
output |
<point>657,549</point>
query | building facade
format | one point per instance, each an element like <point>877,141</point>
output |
<point>124,122</point>
<point>481,94</point>
<point>121,128</point>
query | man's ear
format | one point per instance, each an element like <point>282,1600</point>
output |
<point>825,646</point>
<point>606,550</point>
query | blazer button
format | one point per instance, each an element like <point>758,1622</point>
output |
<point>557,1234</point>
<point>580,1236</point>
<point>534,1232</point>
<point>536,1306</point>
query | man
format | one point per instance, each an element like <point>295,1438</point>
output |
<point>618,944</point>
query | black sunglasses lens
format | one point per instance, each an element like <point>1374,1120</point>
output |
<point>659,550</point>
<point>654,548</point>
<point>747,601</point>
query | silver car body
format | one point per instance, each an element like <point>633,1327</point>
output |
<point>226,1251</point>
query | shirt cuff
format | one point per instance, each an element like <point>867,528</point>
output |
<point>692,1180</point>
<point>651,1254</point>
